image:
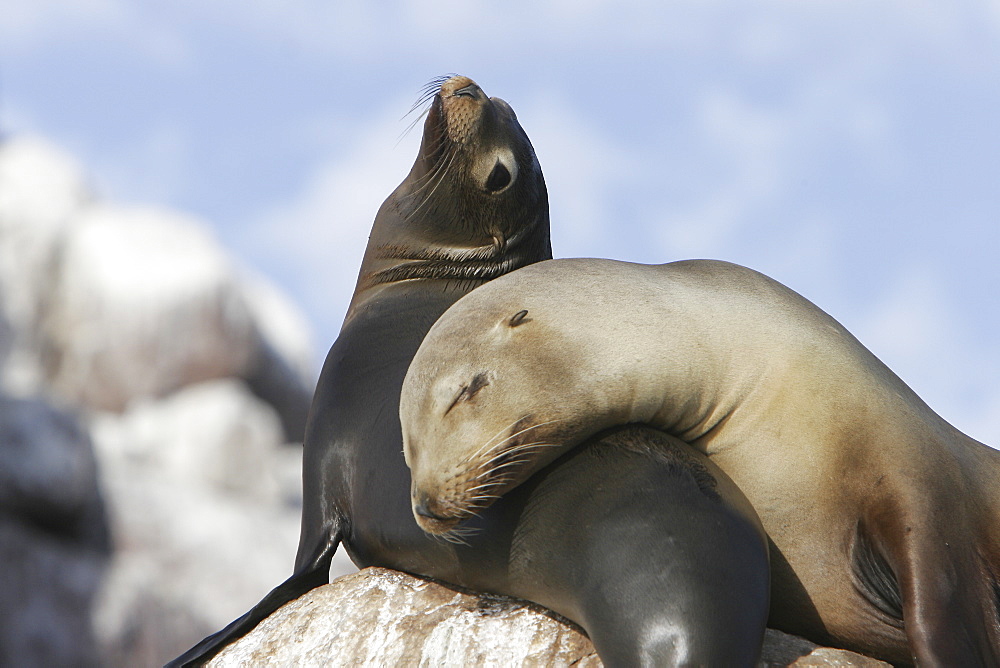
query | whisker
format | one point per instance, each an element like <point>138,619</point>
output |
<point>437,185</point>
<point>515,450</point>
<point>423,182</point>
<point>501,443</point>
<point>502,430</point>
<point>485,485</point>
<point>411,125</point>
<point>428,91</point>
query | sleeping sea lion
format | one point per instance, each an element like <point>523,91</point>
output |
<point>885,519</point>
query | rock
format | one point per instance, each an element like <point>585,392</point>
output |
<point>205,502</point>
<point>144,303</point>
<point>41,189</point>
<point>109,304</point>
<point>47,588</point>
<point>193,373</point>
<point>215,434</point>
<point>48,473</point>
<point>54,542</point>
<point>383,617</point>
<point>282,372</point>
<point>782,649</point>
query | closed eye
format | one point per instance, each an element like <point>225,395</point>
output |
<point>479,381</point>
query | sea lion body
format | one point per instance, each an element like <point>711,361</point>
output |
<point>879,511</point>
<point>473,207</point>
<point>648,546</point>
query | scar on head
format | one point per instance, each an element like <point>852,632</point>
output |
<point>518,318</point>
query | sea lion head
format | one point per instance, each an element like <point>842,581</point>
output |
<point>487,400</point>
<point>474,205</point>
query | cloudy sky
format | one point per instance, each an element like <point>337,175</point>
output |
<point>848,148</point>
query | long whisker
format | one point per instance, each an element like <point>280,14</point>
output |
<point>478,452</point>
<point>515,450</point>
<point>440,180</point>
<point>429,90</point>
<point>439,171</point>
<point>512,436</point>
<point>412,124</point>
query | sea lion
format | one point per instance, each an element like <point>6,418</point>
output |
<point>473,207</point>
<point>885,519</point>
<point>648,546</point>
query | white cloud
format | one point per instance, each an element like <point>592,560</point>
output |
<point>154,168</point>
<point>33,26</point>
<point>920,330</point>
<point>319,237</point>
<point>583,167</point>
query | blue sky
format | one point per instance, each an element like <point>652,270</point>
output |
<point>850,149</point>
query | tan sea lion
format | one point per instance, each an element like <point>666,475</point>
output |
<point>885,519</point>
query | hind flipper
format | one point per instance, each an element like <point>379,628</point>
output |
<point>315,572</point>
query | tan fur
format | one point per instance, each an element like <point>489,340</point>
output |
<point>826,442</point>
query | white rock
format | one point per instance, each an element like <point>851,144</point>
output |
<point>140,318</point>
<point>205,504</point>
<point>282,325</point>
<point>145,303</point>
<point>41,188</point>
<point>384,618</point>
<point>214,434</point>
<point>379,617</point>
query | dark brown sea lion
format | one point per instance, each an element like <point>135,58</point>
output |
<point>473,207</point>
<point>885,519</point>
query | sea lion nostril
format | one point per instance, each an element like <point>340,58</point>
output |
<point>469,91</point>
<point>420,508</point>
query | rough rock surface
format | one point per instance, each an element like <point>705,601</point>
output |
<point>387,618</point>
<point>109,304</point>
<point>191,375</point>
<point>206,506</point>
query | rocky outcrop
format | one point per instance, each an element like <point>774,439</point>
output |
<point>111,304</point>
<point>190,375</point>
<point>379,617</point>
<point>41,189</point>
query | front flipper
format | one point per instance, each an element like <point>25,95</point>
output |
<point>927,568</point>
<point>315,572</point>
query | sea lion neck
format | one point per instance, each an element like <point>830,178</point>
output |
<point>473,206</point>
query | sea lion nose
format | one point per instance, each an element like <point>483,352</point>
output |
<point>472,90</point>
<point>422,508</point>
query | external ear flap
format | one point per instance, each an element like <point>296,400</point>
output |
<point>518,318</point>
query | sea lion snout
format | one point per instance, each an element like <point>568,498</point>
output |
<point>430,515</point>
